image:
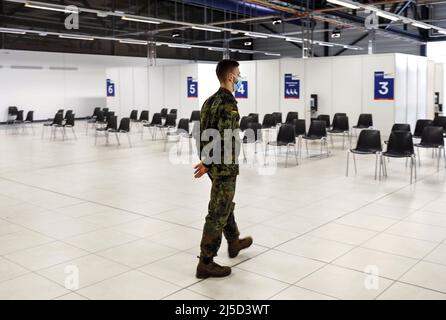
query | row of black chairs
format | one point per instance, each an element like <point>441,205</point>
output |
<point>17,120</point>
<point>61,123</point>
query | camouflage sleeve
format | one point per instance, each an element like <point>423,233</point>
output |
<point>228,125</point>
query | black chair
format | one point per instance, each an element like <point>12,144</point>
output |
<point>95,111</point>
<point>108,115</point>
<point>98,121</point>
<point>365,121</point>
<point>285,137</point>
<point>326,118</point>
<point>29,120</point>
<point>60,111</point>
<point>399,127</point>
<point>67,114</point>
<point>317,131</point>
<point>144,116</point>
<point>70,122</point>
<point>105,110</point>
<point>419,128</point>
<point>339,114</point>
<point>252,134</point>
<point>57,122</point>
<point>244,121</point>
<point>181,132</point>
<point>174,111</point>
<point>291,116</point>
<point>112,125</point>
<point>169,124</point>
<point>401,146</point>
<point>254,117</point>
<point>269,121</point>
<point>439,121</point>
<point>195,116</point>
<point>369,142</point>
<point>124,128</point>
<point>153,126</point>
<point>12,113</point>
<point>300,130</point>
<point>278,117</point>
<point>163,113</point>
<point>340,127</point>
<point>432,138</point>
<point>134,115</point>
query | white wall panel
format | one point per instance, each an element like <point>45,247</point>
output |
<point>347,87</point>
<point>401,88</point>
<point>382,110</point>
<point>172,87</point>
<point>268,87</point>
<point>297,68</point>
<point>318,80</point>
<point>187,105</point>
<point>156,89</point>
<point>412,87</point>
<point>249,105</point>
<point>422,93</point>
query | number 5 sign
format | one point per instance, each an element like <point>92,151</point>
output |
<point>384,87</point>
<point>192,88</point>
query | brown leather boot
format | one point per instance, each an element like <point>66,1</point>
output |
<point>235,246</point>
<point>208,268</point>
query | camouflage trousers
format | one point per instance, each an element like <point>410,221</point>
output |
<point>220,219</point>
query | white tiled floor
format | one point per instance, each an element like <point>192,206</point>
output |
<point>129,221</point>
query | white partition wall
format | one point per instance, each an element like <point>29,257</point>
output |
<point>268,86</point>
<point>297,69</point>
<point>248,69</point>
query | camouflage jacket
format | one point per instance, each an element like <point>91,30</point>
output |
<point>220,112</point>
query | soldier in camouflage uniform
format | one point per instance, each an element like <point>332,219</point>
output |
<point>219,115</point>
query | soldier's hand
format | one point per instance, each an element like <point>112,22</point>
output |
<point>200,170</point>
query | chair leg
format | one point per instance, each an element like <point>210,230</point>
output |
<point>411,168</point>
<point>376,165</point>
<point>286,156</point>
<point>74,133</point>
<point>444,156</point>
<point>331,140</point>
<point>95,137</point>
<point>320,155</point>
<point>348,158</point>
<point>306,146</point>
<point>354,162</point>
<point>244,153</point>
<point>106,137</point>
<point>128,137</point>
<point>295,154</point>
<point>415,166</point>
<point>117,138</point>
<point>266,152</point>
<point>418,155</point>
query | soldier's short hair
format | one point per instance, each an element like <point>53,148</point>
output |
<point>224,67</point>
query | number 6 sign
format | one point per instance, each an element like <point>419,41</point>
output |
<point>384,87</point>
<point>110,88</point>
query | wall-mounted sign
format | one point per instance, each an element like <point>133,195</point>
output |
<point>110,88</point>
<point>291,87</point>
<point>192,87</point>
<point>384,86</point>
<point>242,91</point>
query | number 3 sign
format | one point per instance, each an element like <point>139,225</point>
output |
<point>384,87</point>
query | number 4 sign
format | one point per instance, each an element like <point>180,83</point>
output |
<point>384,87</point>
<point>242,91</point>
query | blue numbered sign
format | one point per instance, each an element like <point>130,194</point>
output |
<point>384,87</point>
<point>192,88</point>
<point>242,92</point>
<point>291,87</point>
<point>110,88</point>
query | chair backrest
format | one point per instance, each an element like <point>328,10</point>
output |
<point>300,128</point>
<point>244,122</point>
<point>70,119</point>
<point>401,127</point>
<point>254,117</point>
<point>340,122</point>
<point>100,116</point>
<point>286,134</point>
<point>95,111</point>
<point>278,117</point>
<point>291,116</point>
<point>183,125</point>
<point>420,125</point>
<point>163,112</point>
<point>58,118</point>
<point>400,142</point>
<point>171,120</point>
<point>12,111</point>
<point>134,115</point>
<point>433,136</point>
<point>112,122</point>
<point>365,120</point>
<point>173,111</point>
<point>124,125</point>
<point>144,116</point>
<point>195,115</point>
<point>318,128</point>
<point>253,133</point>
<point>108,115</point>
<point>324,117</point>
<point>369,141</point>
<point>67,113</point>
<point>105,110</point>
<point>156,119</point>
<point>30,116</point>
<point>440,121</point>
<point>60,111</point>
<point>19,115</point>
<point>269,121</point>
<point>340,114</point>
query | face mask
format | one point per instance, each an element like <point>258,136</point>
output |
<point>237,84</point>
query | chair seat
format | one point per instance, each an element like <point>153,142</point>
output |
<point>101,129</point>
<point>279,143</point>
<point>337,131</point>
<point>365,151</point>
<point>429,146</point>
<point>360,127</point>
<point>397,155</point>
<point>312,137</point>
